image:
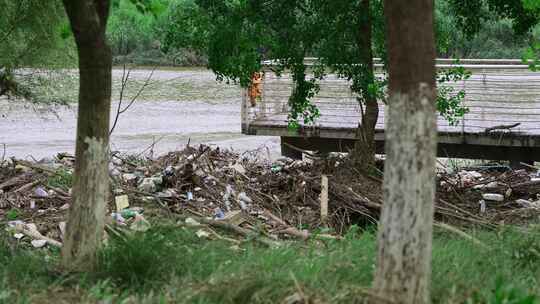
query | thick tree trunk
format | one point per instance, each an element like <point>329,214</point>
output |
<point>364,149</point>
<point>85,225</point>
<point>405,231</point>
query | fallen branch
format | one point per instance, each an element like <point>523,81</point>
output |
<point>232,228</point>
<point>501,127</point>
<point>35,166</point>
<point>460,233</point>
<point>33,233</point>
<point>290,230</point>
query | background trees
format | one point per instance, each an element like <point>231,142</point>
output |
<point>32,33</point>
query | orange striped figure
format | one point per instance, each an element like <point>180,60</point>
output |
<point>255,88</point>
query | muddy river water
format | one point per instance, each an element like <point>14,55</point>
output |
<point>180,106</point>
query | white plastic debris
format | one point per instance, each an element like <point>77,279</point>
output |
<point>244,198</point>
<point>148,185</point>
<point>62,227</point>
<point>39,243</point>
<point>129,177</point>
<point>239,168</point>
<point>493,197</point>
<point>32,204</point>
<point>492,185</point>
<point>482,206</point>
<point>475,174</point>
<point>202,234</point>
<point>190,196</point>
<point>18,236</point>
<point>117,161</point>
<point>524,203</point>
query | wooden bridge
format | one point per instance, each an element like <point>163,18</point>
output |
<point>499,94</point>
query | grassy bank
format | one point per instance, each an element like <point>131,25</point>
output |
<point>169,264</point>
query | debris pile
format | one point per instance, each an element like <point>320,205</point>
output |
<point>248,194</point>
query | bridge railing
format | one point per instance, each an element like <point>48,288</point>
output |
<point>500,92</point>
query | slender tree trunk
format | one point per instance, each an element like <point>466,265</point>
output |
<point>364,149</point>
<point>88,19</point>
<point>405,231</point>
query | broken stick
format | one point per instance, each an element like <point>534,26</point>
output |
<point>502,127</point>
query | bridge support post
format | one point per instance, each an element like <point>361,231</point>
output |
<point>287,151</point>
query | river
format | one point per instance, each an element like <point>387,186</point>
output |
<point>181,106</point>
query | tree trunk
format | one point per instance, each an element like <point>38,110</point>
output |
<point>405,231</point>
<point>364,148</point>
<point>84,233</point>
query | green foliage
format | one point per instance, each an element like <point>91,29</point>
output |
<point>531,56</point>
<point>30,34</point>
<point>12,214</point>
<point>472,13</point>
<point>128,29</point>
<point>63,179</point>
<point>449,102</point>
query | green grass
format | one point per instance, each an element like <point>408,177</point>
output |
<point>63,179</point>
<point>169,264</point>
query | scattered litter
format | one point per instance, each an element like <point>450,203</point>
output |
<point>129,177</point>
<point>244,198</point>
<point>202,234</point>
<point>62,227</point>
<point>13,224</point>
<point>118,218</point>
<point>493,197</point>
<point>38,243</point>
<point>122,202</point>
<point>148,185</point>
<point>239,168</point>
<point>218,213</point>
<point>18,236</point>
<point>139,224</point>
<point>129,213</point>
<point>239,189</point>
<point>482,206</point>
<point>40,192</point>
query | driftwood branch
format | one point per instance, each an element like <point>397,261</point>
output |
<point>502,127</point>
<point>33,233</point>
<point>223,225</point>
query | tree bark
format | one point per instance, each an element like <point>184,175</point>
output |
<point>364,148</point>
<point>84,232</point>
<point>403,270</point>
